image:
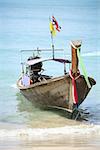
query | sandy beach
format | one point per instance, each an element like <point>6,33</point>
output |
<point>77,137</point>
<point>55,148</point>
<point>64,148</point>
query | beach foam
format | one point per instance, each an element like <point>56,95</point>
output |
<point>14,86</point>
<point>38,133</point>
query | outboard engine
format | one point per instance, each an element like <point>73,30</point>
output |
<point>35,69</point>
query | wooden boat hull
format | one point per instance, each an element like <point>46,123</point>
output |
<point>56,92</point>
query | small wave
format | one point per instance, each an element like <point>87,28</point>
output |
<point>96,53</point>
<point>38,133</point>
<point>14,86</point>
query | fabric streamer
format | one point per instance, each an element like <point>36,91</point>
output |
<point>83,68</point>
<point>54,26</point>
<point>54,21</point>
<point>52,29</point>
<point>74,90</point>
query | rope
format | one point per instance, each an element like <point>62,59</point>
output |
<point>73,45</point>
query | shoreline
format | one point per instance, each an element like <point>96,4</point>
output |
<point>76,135</point>
<point>53,148</point>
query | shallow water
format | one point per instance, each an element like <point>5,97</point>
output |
<point>25,25</point>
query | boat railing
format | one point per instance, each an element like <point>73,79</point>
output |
<point>39,50</point>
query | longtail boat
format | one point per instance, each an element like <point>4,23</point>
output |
<point>64,92</point>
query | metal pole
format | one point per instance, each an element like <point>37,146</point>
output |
<point>53,51</point>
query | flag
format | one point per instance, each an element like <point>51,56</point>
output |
<point>52,29</point>
<point>54,26</point>
<point>55,23</point>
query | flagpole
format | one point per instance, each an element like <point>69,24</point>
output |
<point>52,40</point>
<point>53,54</point>
<point>53,27</point>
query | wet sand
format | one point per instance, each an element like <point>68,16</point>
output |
<point>53,148</point>
<point>78,137</point>
<point>64,148</point>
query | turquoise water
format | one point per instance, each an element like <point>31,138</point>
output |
<point>25,25</point>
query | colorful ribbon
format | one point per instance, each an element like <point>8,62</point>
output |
<point>74,89</point>
<point>83,68</point>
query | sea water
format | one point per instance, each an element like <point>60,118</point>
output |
<point>25,25</point>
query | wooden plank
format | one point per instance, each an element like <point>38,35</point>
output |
<point>75,44</point>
